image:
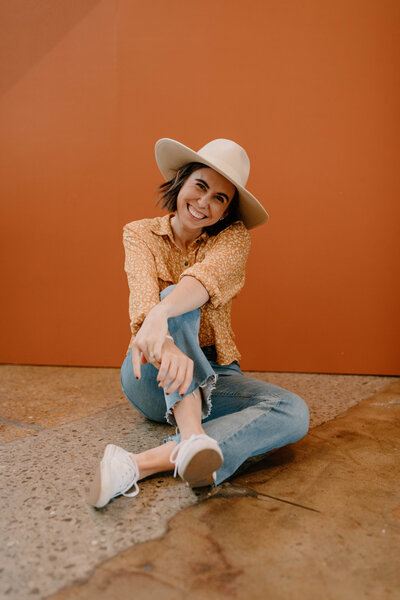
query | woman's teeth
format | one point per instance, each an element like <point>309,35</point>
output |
<point>195,213</point>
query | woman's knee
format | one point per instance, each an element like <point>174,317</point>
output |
<point>299,415</point>
<point>149,402</point>
<point>127,374</point>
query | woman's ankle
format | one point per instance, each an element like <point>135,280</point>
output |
<point>187,433</point>
<point>187,413</point>
<point>155,460</point>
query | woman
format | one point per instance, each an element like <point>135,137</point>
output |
<point>182,365</point>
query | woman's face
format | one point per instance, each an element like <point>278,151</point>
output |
<point>204,199</point>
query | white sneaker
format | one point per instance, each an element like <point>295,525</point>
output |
<point>197,459</point>
<point>115,475</point>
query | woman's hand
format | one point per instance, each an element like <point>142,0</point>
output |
<point>150,338</point>
<point>151,345</point>
<point>176,369</point>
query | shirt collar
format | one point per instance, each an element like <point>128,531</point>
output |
<point>162,226</point>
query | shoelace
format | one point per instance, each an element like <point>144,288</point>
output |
<point>132,471</point>
<point>180,449</point>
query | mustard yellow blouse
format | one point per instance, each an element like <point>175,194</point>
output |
<point>153,261</point>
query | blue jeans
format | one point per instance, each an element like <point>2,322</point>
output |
<point>246,416</point>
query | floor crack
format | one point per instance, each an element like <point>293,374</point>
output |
<point>289,502</point>
<point>230,490</point>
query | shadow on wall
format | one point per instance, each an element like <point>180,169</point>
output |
<point>40,26</point>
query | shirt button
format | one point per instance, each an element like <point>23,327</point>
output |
<point>186,263</point>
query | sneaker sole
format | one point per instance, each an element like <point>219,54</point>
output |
<point>99,494</point>
<point>199,470</point>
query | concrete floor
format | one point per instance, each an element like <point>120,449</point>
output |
<point>317,519</point>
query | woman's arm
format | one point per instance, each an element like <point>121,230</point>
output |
<point>187,295</point>
<point>151,341</point>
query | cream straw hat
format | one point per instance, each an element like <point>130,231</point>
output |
<point>225,157</point>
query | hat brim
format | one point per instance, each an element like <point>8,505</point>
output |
<point>172,155</point>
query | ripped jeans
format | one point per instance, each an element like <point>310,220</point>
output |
<point>246,416</point>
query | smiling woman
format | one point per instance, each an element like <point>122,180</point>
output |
<point>198,175</point>
<point>182,364</point>
<point>199,198</point>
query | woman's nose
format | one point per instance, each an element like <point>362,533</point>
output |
<point>203,200</point>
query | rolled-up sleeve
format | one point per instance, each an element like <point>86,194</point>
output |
<point>142,278</point>
<point>222,272</point>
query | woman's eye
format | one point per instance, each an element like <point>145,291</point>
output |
<point>201,186</point>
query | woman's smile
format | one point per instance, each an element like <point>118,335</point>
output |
<point>195,213</point>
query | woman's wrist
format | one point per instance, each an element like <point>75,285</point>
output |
<point>163,308</point>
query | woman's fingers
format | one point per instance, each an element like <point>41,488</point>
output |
<point>175,372</point>
<point>175,369</point>
<point>146,354</point>
<point>187,379</point>
<point>136,360</point>
<point>152,359</point>
<point>151,335</point>
<point>153,356</point>
<point>168,373</point>
<point>177,380</point>
<point>163,370</point>
<point>157,350</point>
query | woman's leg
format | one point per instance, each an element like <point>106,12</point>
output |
<point>196,459</point>
<point>156,404</point>
<point>187,412</point>
<point>250,417</point>
<point>145,395</point>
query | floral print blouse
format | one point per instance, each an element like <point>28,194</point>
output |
<point>153,261</point>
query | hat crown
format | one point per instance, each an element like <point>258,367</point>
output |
<point>229,157</point>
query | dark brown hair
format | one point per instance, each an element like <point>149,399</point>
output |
<point>170,190</point>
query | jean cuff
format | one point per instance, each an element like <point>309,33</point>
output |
<point>206,388</point>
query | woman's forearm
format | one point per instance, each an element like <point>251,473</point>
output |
<point>187,295</point>
<point>152,341</point>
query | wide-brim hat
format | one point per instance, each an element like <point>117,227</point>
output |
<point>224,156</point>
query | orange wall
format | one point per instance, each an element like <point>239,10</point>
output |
<point>309,88</point>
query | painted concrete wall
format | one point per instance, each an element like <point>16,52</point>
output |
<point>309,88</point>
